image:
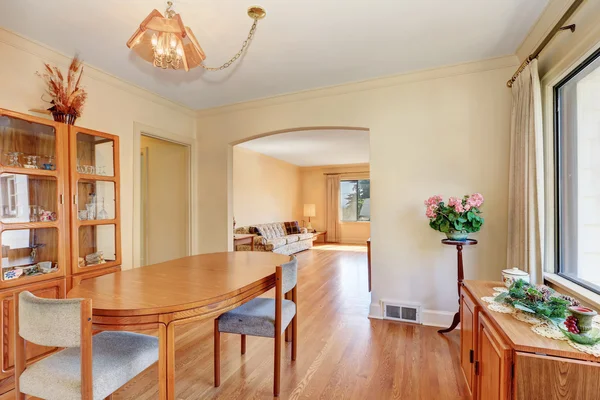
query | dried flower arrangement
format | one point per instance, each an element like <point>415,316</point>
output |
<point>67,97</point>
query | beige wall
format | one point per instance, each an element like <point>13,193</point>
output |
<point>439,131</point>
<point>313,192</point>
<point>113,106</point>
<point>265,189</point>
<point>165,198</point>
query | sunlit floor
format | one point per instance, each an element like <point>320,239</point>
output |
<point>341,355</point>
<point>340,247</point>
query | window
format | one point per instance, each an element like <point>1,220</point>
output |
<point>577,164</point>
<point>355,200</point>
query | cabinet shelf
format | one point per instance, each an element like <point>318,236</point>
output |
<point>94,178</point>
<point>39,173</point>
<point>29,225</point>
<point>94,222</point>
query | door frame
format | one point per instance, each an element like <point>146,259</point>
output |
<point>140,130</point>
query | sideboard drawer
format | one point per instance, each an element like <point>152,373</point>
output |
<point>553,378</point>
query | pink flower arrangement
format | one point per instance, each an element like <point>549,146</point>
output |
<point>432,204</point>
<point>458,215</point>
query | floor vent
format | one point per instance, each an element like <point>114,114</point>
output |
<point>402,312</point>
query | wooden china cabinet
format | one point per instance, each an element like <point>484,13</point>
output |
<point>49,172</point>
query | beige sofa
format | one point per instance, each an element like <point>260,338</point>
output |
<point>274,237</point>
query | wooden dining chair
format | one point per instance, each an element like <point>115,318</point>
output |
<point>264,317</point>
<point>74,373</point>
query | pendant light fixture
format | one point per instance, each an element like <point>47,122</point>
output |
<point>167,43</point>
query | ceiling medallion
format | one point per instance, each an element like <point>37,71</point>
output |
<point>167,43</point>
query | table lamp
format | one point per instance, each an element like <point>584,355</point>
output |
<point>309,211</point>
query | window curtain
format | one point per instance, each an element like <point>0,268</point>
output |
<point>333,208</point>
<point>526,176</point>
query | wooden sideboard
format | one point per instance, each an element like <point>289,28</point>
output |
<point>502,358</point>
<point>43,166</point>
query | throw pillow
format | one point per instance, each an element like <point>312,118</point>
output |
<point>292,227</point>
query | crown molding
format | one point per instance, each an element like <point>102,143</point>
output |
<point>54,56</point>
<point>394,80</point>
<point>337,166</point>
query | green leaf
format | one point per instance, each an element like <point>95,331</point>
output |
<point>462,219</point>
<point>458,226</point>
<point>470,216</point>
<point>501,297</point>
<point>445,226</point>
<point>520,306</point>
<point>588,339</point>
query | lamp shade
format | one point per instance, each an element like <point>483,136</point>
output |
<point>309,210</point>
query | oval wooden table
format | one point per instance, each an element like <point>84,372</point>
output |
<point>172,293</point>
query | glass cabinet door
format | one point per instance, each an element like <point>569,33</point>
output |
<point>95,154</point>
<point>33,217</point>
<point>28,144</point>
<point>95,228</point>
<point>29,252</point>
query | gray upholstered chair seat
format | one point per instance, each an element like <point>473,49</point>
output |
<point>118,358</point>
<point>256,317</point>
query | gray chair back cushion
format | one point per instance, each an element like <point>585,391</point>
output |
<point>290,274</point>
<point>49,322</point>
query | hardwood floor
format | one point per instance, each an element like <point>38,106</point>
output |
<point>341,354</point>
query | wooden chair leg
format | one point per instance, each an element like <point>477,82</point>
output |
<point>243,344</point>
<point>288,330</point>
<point>109,397</point>
<point>277,372</point>
<point>217,354</point>
<point>19,355</point>
<point>294,325</point>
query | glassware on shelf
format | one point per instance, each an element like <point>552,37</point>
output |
<point>13,159</point>
<point>50,164</point>
<point>34,213</point>
<point>101,170</point>
<point>102,214</point>
<point>91,210</point>
<point>31,162</point>
<point>82,215</point>
<point>90,170</point>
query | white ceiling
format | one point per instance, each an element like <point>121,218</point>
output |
<point>315,147</point>
<point>302,44</point>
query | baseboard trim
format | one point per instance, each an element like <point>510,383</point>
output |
<point>375,311</point>
<point>442,319</point>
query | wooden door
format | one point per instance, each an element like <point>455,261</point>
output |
<point>54,289</point>
<point>94,179</point>
<point>468,337</point>
<point>493,365</point>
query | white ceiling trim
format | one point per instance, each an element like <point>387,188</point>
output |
<point>53,56</point>
<point>370,84</point>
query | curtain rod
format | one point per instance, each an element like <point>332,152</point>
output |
<point>558,27</point>
<point>346,173</point>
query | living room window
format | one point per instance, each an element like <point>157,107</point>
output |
<point>355,200</point>
<point>577,174</point>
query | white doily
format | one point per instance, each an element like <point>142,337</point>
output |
<point>527,317</point>
<point>540,326</point>
<point>550,331</point>
<point>593,350</point>
<point>501,308</point>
